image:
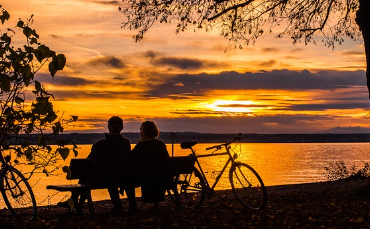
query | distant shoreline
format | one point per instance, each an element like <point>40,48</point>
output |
<point>178,137</point>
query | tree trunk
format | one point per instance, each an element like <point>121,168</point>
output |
<point>363,21</point>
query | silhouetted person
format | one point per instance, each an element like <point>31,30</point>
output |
<point>113,148</point>
<point>152,189</point>
<point>117,148</point>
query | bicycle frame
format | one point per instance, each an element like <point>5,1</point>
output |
<point>217,179</point>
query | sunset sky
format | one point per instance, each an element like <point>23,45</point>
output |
<point>192,81</point>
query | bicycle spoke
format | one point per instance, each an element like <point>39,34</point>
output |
<point>17,193</point>
<point>190,189</point>
<point>247,186</point>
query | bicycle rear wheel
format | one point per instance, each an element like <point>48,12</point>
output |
<point>190,188</point>
<point>248,186</point>
<point>17,193</point>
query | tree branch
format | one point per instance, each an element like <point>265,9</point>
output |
<point>231,8</point>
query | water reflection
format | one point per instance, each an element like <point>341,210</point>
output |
<point>277,164</point>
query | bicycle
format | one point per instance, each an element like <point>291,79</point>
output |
<point>245,182</point>
<point>17,192</point>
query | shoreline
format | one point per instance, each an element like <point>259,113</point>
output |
<point>178,137</point>
<point>331,204</point>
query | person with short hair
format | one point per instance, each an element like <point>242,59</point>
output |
<point>113,147</point>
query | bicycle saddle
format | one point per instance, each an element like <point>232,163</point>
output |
<point>188,144</point>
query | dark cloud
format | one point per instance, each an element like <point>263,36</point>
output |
<point>110,61</point>
<point>151,54</point>
<point>269,50</point>
<point>245,124</point>
<point>180,63</point>
<point>268,63</point>
<point>157,59</point>
<point>268,80</point>
<point>115,3</point>
<point>348,130</point>
<point>352,53</point>
<point>77,94</point>
<point>297,50</point>
<point>55,36</point>
<point>329,106</point>
<point>63,80</point>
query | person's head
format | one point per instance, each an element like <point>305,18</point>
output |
<point>115,125</point>
<point>148,129</point>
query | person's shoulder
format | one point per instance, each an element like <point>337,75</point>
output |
<point>158,142</point>
<point>126,140</point>
<point>101,141</point>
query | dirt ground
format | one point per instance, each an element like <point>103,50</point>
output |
<point>338,204</point>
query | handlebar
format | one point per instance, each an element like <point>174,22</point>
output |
<point>217,147</point>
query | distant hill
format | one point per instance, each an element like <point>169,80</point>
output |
<point>178,137</point>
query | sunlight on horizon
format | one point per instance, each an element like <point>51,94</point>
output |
<point>232,106</point>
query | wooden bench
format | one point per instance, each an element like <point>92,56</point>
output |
<point>124,172</point>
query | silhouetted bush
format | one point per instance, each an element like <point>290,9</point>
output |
<point>339,171</point>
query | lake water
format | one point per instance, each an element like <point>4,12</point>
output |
<point>276,163</point>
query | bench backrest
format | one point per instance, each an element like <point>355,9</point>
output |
<point>131,168</point>
<point>81,169</point>
<point>144,167</point>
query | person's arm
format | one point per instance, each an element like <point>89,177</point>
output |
<point>164,150</point>
<point>135,150</point>
<point>94,152</point>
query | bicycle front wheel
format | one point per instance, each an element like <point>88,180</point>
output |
<point>248,186</point>
<point>17,193</point>
<point>190,188</point>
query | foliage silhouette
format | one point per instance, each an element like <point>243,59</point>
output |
<point>339,171</point>
<point>244,21</point>
<point>28,126</point>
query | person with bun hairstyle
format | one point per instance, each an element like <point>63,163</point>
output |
<point>149,146</point>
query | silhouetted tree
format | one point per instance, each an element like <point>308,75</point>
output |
<point>243,21</point>
<point>27,126</point>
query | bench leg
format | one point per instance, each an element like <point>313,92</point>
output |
<point>90,203</point>
<point>177,197</point>
<point>86,195</point>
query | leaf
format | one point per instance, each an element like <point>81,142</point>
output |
<point>52,69</point>
<point>19,100</point>
<point>29,128</point>
<point>28,153</point>
<point>4,17</point>
<point>61,61</point>
<point>33,41</point>
<point>38,86</point>
<point>27,31</point>
<point>38,55</point>
<point>20,24</point>
<point>5,82</point>
<point>45,51</point>
<point>64,152</point>
<point>67,170</point>
<point>27,80</point>
<point>74,118</point>
<point>27,71</point>
<point>75,152</point>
